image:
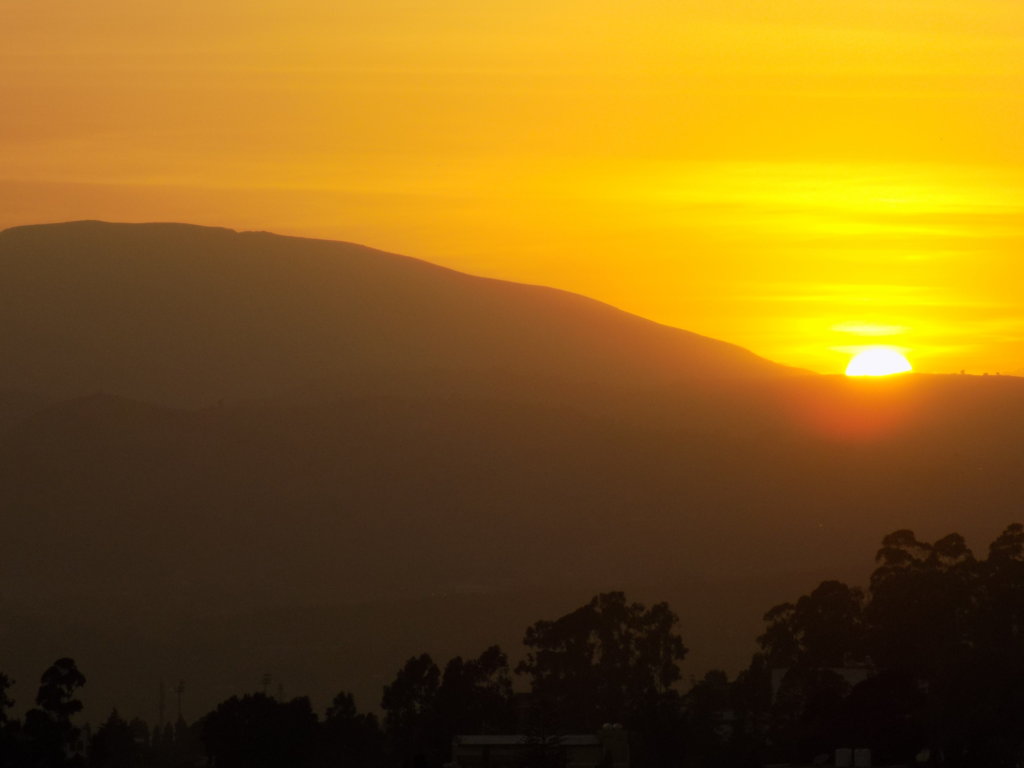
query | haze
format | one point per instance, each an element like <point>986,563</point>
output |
<point>247,452</point>
<point>798,178</point>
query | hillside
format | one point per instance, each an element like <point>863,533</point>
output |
<point>185,315</point>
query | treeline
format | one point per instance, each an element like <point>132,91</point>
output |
<point>938,639</point>
<point>926,666</point>
<point>608,661</point>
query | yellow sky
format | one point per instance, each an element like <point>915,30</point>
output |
<point>801,177</point>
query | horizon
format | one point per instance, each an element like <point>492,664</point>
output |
<point>800,180</point>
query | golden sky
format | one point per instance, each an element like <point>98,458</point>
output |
<point>802,177</point>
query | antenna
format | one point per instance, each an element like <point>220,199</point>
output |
<point>265,679</point>
<point>179,689</point>
<point>161,705</point>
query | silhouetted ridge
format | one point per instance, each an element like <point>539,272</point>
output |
<point>181,314</point>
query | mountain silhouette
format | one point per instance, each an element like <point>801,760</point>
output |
<point>187,315</point>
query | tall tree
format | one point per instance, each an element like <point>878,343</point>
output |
<point>48,725</point>
<point>410,711</point>
<point>57,689</point>
<point>945,634</point>
<point>610,661</point>
<point>1001,621</point>
<point>821,630</point>
<point>921,607</point>
<point>475,695</point>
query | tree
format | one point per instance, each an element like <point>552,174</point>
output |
<point>351,738</point>
<point>1001,608</point>
<point>943,632</point>
<point>48,726</point>
<point>705,704</point>
<point>8,728</point>
<point>886,712</point>
<point>424,708</point>
<point>922,604</point>
<point>57,689</point>
<point>475,695</point>
<point>807,713</point>
<point>824,629</point>
<point>257,731</point>
<point>609,661</point>
<point>113,745</point>
<point>5,703</point>
<point>410,711</point>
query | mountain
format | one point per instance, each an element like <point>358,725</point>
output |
<point>185,315</point>
<point>227,454</point>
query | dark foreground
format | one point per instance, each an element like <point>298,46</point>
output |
<point>926,666</point>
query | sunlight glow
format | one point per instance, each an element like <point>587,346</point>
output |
<point>878,361</point>
<point>820,163</point>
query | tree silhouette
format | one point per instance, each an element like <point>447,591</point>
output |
<point>350,738</point>
<point>48,726</point>
<point>113,745</point>
<point>257,731</point>
<point>704,705</point>
<point>609,661</point>
<point>823,629</point>
<point>942,635</point>
<point>8,727</point>
<point>5,703</point>
<point>1001,620</point>
<point>424,708</point>
<point>475,695</point>
<point>937,642</point>
<point>921,606</point>
<point>807,715</point>
<point>410,711</point>
<point>57,689</point>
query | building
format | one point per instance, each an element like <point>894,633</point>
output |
<point>608,748</point>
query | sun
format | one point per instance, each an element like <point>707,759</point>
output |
<point>878,361</point>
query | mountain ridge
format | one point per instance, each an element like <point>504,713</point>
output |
<point>229,314</point>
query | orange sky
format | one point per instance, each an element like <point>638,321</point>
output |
<point>800,177</point>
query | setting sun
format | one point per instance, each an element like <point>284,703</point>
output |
<point>878,361</point>
<point>686,162</point>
